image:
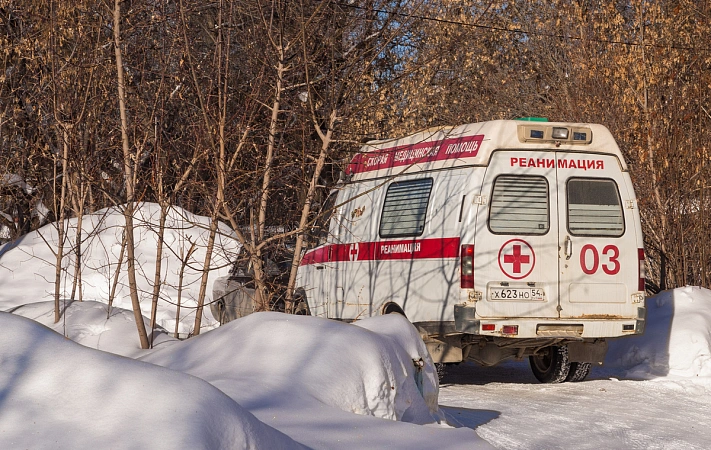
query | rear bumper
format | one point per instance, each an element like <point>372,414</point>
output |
<point>466,321</point>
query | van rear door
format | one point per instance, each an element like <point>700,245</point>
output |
<point>599,255</point>
<point>517,235</point>
<point>556,239</point>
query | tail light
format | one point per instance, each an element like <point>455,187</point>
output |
<point>642,270</point>
<point>509,329</point>
<point>467,266</point>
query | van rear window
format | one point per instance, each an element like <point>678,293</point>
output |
<point>405,208</point>
<point>519,205</point>
<point>594,208</point>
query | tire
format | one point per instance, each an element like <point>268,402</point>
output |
<point>578,371</point>
<point>221,314</point>
<point>441,371</point>
<point>552,365</point>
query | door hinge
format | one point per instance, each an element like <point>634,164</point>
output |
<point>629,204</point>
<point>480,200</point>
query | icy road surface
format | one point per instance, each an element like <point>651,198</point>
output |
<point>510,409</point>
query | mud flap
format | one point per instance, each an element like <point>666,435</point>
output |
<point>444,352</point>
<point>588,352</point>
<point>465,319</point>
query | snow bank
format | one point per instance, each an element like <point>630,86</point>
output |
<point>57,394</point>
<point>369,369</point>
<point>677,339</point>
<point>326,384</point>
<point>28,265</point>
<point>307,376</point>
<point>91,325</point>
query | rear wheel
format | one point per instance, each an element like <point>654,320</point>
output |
<point>441,370</point>
<point>578,371</point>
<point>551,364</point>
<point>220,307</point>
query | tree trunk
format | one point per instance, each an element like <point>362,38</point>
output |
<point>129,183</point>
<point>306,210</point>
<point>205,274</point>
<point>112,292</point>
<point>60,227</point>
<point>159,260</point>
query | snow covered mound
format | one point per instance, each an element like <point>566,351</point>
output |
<point>57,394</point>
<point>677,339</point>
<point>90,324</point>
<point>372,369</point>
<point>27,266</point>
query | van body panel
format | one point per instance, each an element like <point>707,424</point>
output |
<point>371,270</point>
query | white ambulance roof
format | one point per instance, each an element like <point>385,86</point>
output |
<point>473,144</point>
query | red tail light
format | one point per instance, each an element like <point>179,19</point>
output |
<point>509,329</point>
<point>467,267</point>
<point>642,270</point>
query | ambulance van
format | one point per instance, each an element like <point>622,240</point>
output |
<point>501,239</point>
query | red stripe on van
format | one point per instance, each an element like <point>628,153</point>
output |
<point>384,250</point>
<point>422,152</point>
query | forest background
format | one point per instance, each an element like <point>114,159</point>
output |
<point>245,111</point>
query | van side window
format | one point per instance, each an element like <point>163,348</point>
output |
<point>405,208</point>
<point>519,205</point>
<point>594,208</point>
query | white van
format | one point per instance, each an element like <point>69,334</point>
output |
<point>499,239</point>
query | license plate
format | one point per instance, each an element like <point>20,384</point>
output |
<point>504,293</point>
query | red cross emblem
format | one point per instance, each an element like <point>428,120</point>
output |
<point>353,252</point>
<point>517,259</point>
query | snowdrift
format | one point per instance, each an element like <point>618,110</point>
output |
<point>677,339</point>
<point>323,383</point>
<point>90,324</point>
<point>57,394</point>
<point>27,266</point>
<point>307,376</point>
<point>380,368</point>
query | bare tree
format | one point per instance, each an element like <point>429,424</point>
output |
<point>129,161</point>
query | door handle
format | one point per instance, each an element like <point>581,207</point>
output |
<point>568,247</point>
<point>320,267</point>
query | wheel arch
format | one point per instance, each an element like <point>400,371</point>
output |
<point>392,308</point>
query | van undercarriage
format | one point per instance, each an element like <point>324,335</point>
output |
<point>553,358</point>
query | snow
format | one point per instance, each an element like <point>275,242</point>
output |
<point>59,394</point>
<point>510,410</point>
<point>273,381</point>
<point>676,342</point>
<point>27,266</point>
<point>322,383</point>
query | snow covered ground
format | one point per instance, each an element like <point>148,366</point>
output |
<point>273,381</point>
<point>267,381</point>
